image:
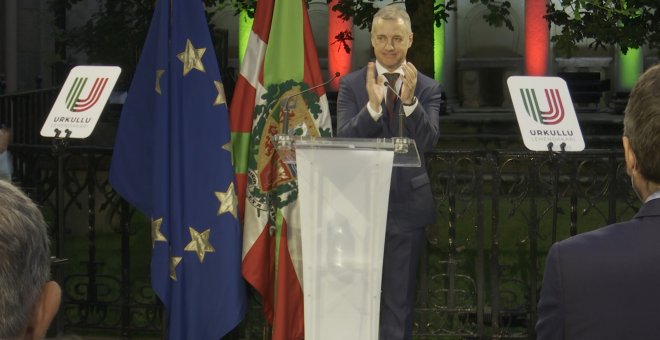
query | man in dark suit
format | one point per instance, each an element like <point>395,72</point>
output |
<point>605,284</point>
<point>363,111</point>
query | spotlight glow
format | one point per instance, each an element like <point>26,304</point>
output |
<point>536,38</point>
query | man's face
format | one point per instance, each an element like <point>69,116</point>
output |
<point>5,138</point>
<point>390,40</point>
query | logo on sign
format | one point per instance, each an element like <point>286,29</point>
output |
<point>551,117</point>
<point>75,103</point>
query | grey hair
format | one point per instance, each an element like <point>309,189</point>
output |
<point>393,12</point>
<point>24,259</point>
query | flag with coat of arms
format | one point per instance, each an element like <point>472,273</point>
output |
<point>280,61</point>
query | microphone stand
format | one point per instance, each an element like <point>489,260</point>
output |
<point>401,143</point>
<point>284,140</point>
<point>287,108</point>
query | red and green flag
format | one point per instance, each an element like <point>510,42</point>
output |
<point>280,61</point>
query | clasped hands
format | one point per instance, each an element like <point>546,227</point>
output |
<point>376,85</point>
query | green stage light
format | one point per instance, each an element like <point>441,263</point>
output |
<point>630,68</point>
<point>244,29</point>
<point>438,48</point>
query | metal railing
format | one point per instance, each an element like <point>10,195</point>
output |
<point>26,112</point>
<point>497,215</point>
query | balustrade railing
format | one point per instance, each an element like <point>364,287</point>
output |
<point>497,215</point>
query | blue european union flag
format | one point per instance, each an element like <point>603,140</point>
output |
<point>172,160</point>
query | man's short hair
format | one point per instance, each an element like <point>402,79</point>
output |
<point>24,259</point>
<point>641,123</point>
<point>393,12</point>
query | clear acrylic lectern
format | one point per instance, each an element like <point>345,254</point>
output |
<point>343,187</point>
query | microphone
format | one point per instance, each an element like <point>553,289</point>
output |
<point>287,108</point>
<point>401,113</point>
<point>401,143</point>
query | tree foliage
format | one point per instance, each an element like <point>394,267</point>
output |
<point>623,23</point>
<point>362,11</point>
<point>115,34</point>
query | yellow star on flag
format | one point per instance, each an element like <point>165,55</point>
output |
<point>174,261</point>
<point>228,201</point>
<point>156,235</point>
<point>159,74</point>
<point>220,99</point>
<point>227,147</point>
<point>200,243</point>
<point>191,58</point>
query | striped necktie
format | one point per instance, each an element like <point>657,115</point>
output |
<point>390,98</point>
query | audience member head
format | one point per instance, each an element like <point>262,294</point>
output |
<point>28,299</point>
<point>641,133</point>
<point>391,36</point>
<point>5,137</point>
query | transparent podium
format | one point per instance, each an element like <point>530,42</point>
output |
<point>343,187</point>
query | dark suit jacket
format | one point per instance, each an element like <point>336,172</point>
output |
<point>604,284</point>
<point>411,203</point>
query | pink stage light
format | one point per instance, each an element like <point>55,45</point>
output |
<point>338,59</point>
<point>536,38</point>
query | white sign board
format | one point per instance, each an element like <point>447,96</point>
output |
<point>545,113</point>
<point>80,102</point>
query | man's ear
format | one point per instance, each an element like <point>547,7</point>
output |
<point>629,156</point>
<point>44,310</point>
